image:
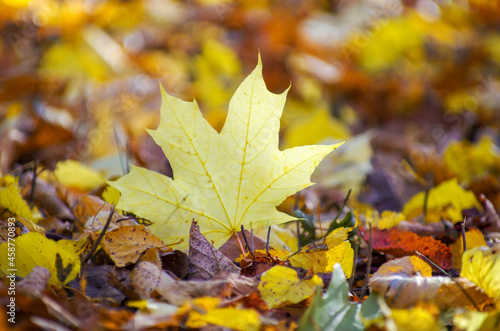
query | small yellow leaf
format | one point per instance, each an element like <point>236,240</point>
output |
<point>206,311</point>
<point>322,255</point>
<point>469,161</point>
<point>447,200</point>
<point>33,249</point>
<point>473,238</point>
<point>280,286</point>
<point>390,219</point>
<point>416,319</point>
<point>481,265</point>
<point>72,173</point>
<point>11,199</point>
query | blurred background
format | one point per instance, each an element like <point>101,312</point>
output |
<point>413,86</point>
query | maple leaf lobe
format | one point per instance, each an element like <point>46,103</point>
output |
<point>222,180</point>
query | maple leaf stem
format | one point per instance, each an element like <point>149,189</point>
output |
<point>451,277</point>
<point>463,235</point>
<point>239,243</point>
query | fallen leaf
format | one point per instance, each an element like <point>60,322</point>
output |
<point>280,286</point>
<point>469,161</point>
<point>473,238</point>
<point>35,282</point>
<point>477,321</point>
<point>11,199</point>
<point>205,261</point>
<point>145,278</point>
<point>72,173</point>
<point>33,249</point>
<point>231,318</point>
<point>332,311</point>
<point>403,243</point>
<point>417,319</point>
<point>481,265</point>
<point>125,244</point>
<point>323,254</point>
<point>405,281</point>
<point>176,262</point>
<point>222,181</point>
<point>445,201</point>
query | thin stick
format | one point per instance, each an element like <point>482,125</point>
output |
<point>343,205</point>
<point>369,262</point>
<point>464,240</point>
<point>268,237</point>
<point>98,241</point>
<point>447,274</point>
<point>356,253</point>
<point>33,183</point>
<point>239,243</point>
<point>251,240</point>
<point>246,241</point>
<point>319,220</point>
<point>298,235</point>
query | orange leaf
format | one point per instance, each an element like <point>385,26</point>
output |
<point>404,243</point>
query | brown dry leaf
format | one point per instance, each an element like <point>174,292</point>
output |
<point>451,296</point>
<point>126,244</point>
<point>145,278</point>
<point>93,213</point>
<point>176,262</point>
<point>205,261</point>
<point>146,274</point>
<point>405,281</point>
<point>178,292</point>
<point>99,282</point>
<point>36,281</point>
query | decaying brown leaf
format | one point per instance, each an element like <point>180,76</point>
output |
<point>205,261</point>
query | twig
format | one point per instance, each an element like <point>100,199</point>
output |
<point>369,262</point>
<point>246,241</point>
<point>33,183</point>
<point>447,274</point>
<point>98,241</point>
<point>268,237</point>
<point>356,253</point>
<point>464,240</point>
<point>319,220</point>
<point>251,234</point>
<point>343,205</point>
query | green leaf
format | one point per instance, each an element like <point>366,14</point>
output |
<point>333,311</point>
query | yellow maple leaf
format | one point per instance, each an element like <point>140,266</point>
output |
<point>447,200</point>
<point>34,249</point>
<point>225,180</point>
<point>324,254</point>
<point>280,286</point>
<point>11,199</point>
<point>481,265</point>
